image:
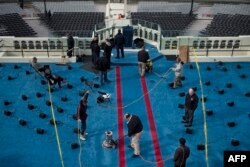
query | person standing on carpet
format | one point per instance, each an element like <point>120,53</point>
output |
<point>135,128</point>
<point>82,115</point>
<point>102,65</point>
<point>142,58</point>
<point>191,103</point>
<point>119,44</point>
<point>107,51</point>
<point>95,49</point>
<point>181,154</point>
<point>71,45</point>
<point>178,69</point>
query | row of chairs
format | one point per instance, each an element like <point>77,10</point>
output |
<point>7,8</point>
<point>38,45</point>
<point>163,6</point>
<point>169,22</point>
<point>66,6</point>
<point>14,25</point>
<point>76,24</point>
<point>228,25</point>
<point>231,9</point>
<point>82,33</point>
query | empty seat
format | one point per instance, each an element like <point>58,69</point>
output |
<point>74,23</point>
<point>228,25</point>
<point>14,25</point>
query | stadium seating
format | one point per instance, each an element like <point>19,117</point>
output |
<point>66,6</point>
<point>79,24</point>
<point>163,6</point>
<point>172,24</point>
<point>228,25</point>
<point>243,9</point>
<point>13,25</point>
<point>7,8</point>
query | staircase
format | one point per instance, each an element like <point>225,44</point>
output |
<point>197,26</point>
<point>204,17</point>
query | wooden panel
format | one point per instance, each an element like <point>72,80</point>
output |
<point>184,53</point>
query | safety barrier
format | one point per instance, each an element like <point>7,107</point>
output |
<point>47,48</point>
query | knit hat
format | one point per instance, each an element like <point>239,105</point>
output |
<point>127,115</point>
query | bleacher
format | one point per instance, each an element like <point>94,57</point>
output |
<point>13,25</point>
<point>67,6</point>
<point>7,8</point>
<point>172,24</point>
<point>228,25</point>
<point>243,9</point>
<point>79,24</point>
<point>163,6</point>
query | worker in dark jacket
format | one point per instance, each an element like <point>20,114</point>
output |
<point>143,57</point>
<point>119,44</point>
<point>181,154</point>
<point>71,44</point>
<point>191,103</point>
<point>95,49</point>
<point>103,68</point>
<point>135,128</point>
<point>107,51</point>
<point>82,115</point>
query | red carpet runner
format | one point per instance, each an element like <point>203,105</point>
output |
<point>157,150</point>
<point>122,162</point>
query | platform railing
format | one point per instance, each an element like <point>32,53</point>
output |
<point>205,47</point>
<point>45,47</point>
<point>149,31</point>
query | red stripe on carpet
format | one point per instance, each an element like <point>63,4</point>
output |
<point>121,150</point>
<point>152,127</point>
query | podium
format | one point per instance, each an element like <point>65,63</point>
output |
<point>128,34</point>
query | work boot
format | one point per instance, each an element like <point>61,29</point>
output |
<point>82,137</point>
<point>135,156</point>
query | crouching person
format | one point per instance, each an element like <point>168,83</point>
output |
<point>53,79</point>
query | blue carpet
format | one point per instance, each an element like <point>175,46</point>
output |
<point>21,146</point>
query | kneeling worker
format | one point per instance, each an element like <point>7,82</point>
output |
<point>53,79</point>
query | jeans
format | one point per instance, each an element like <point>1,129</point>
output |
<point>103,77</point>
<point>118,48</point>
<point>109,60</point>
<point>95,58</point>
<point>189,115</point>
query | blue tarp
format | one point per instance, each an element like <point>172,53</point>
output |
<point>22,146</point>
